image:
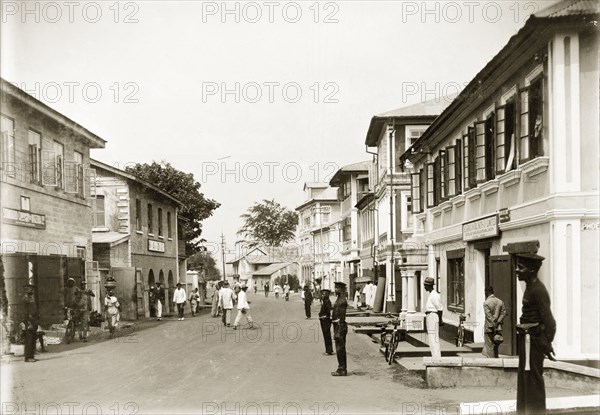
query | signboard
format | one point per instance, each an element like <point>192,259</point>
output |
<point>156,246</point>
<point>23,218</point>
<point>481,229</point>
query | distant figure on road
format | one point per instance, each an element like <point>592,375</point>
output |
<point>308,299</point>
<point>286,291</point>
<point>255,288</point>
<point>357,298</point>
<point>340,328</point>
<point>433,317</point>
<point>194,301</point>
<point>266,287</point>
<point>226,303</point>
<point>214,310</point>
<point>160,300</point>
<point>243,309</point>
<point>277,290</point>
<point>535,334</point>
<point>112,309</point>
<point>369,292</point>
<point>85,307</point>
<point>179,298</point>
<point>495,312</point>
<point>325,320</point>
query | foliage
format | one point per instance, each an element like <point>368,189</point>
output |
<point>268,224</point>
<point>186,189</point>
<point>205,261</point>
<point>292,280</point>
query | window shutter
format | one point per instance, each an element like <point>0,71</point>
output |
<point>437,182</point>
<point>80,189</point>
<point>92,181</point>
<point>480,151</point>
<point>415,189</point>
<point>422,188</point>
<point>71,185</point>
<point>430,185</point>
<point>457,167</point>
<point>33,163</point>
<point>471,156</point>
<point>466,162</point>
<point>490,127</point>
<point>450,171</point>
<point>536,118</point>
<point>524,124</point>
<point>48,168</point>
<point>500,140</point>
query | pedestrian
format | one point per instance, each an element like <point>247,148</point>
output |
<point>214,311</point>
<point>266,286</point>
<point>535,334</point>
<point>277,290</point>
<point>495,312</point>
<point>340,328</point>
<point>357,298</point>
<point>179,299</point>
<point>255,288</point>
<point>85,307</point>
<point>159,300</point>
<point>369,292</point>
<point>243,309</point>
<point>226,303</point>
<point>325,320</point>
<point>433,317</point>
<point>194,301</point>
<point>286,291</point>
<point>112,309</point>
<point>71,294</point>
<point>30,323</point>
<point>308,299</point>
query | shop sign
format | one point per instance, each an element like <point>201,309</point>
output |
<point>23,218</point>
<point>156,246</point>
<point>481,229</point>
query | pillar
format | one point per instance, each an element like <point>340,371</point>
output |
<point>404,291</point>
<point>412,291</point>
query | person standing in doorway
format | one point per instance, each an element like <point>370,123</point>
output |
<point>340,328</point>
<point>433,317</point>
<point>495,312</point>
<point>179,299</point>
<point>160,300</point>
<point>325,320</point>
<point>535,334</point>
<point>30,323</point>
<point>308,299</point>
<point>226,303</point>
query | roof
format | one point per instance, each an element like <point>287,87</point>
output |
<point>92,139</point>
<point>245,254</point>
<point>327,195</point>
<point>318,185</point>
<point>425,111</point>
<point>271,269</point>
<point>360,167</point>
<point>99,165</point>
<point>575,11</point>
<point>112,238</point>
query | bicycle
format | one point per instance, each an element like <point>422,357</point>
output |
<point>460,332</point>
<point>391,338</point>
<point>71,325</point>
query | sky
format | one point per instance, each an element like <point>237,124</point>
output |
<point>253,98</point>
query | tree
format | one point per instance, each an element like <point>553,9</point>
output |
<point>202,260</point>
<point>267,223</point>
<point>185,188</point>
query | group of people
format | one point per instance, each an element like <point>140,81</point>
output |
<point>157,298</point>
<point>79,300</point>
<point>277,289</point>
<point>224,300</point>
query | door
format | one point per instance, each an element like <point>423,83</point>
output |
<point>126,291</point>
<point>503,281</point>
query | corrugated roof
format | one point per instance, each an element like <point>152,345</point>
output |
<point>271,269</point>
<point>570,8</point>
<point>433,106</point>
<point>361,166</point>
<point>112,238</point>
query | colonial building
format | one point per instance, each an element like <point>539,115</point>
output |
<point>318,235</point>
<point>46,215</point>
<point>257,266</point>
<point>511,166</point>
<point>135,237</point>
<point>352,183</point>
<point>388,136</point>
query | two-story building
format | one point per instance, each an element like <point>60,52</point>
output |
<point>388,136</point>
<point>46,215</point>
<point>135,237</point>
<point>318,235</point>
<point>256,266</point>
<point>352,184</point>
<point>511,166</point>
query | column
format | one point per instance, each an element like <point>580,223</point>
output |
<point>404,291</point>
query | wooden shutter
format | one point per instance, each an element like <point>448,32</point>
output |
<point>458,167</point>
<point>430,185</point>
<point>450,171</point>
<point>423,187</point>
<point>489,147</point>
<point>48,165</point>
<point>466,162</point>
<point>471,150</point>
<point>33,164</point>
<point>480,151</point>
<point>415,189</point>
<point>523,124</point>
<point>71,182</point>
<point>437,181</point>
<point>500,140</point>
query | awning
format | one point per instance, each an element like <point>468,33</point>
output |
<point>363,279</point>
<point>112,238</point>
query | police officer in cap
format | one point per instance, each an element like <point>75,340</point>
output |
<point>325,320</point>
<point>30,323</point>
<point>340,329</point>
<point>534,336</point>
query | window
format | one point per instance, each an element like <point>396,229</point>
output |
<point>160,224</point>
<point>78,160</point>
<point>471,150</point>
<point>532,121</point>
<point>59,164</point>
<point>99,212</point>
<point>489,148</point>
<point>7,127</point>
<point>169,228</point>
<point>415,189</point>
<point>480,141</point>
<point>506,159</point>
<point>441,175</point>
<point>453,169</point>
<point>149,218</point>
<point>430,185</point>
<point>138,215</point>
<point>35,150</point>
<point>413,134</point>
<point>456,280</point>
<point>49,177</point>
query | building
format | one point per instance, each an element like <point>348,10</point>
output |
<point>135,238</point>
<point>511,166</point>
<point>46,214</point>
<point>352,182</point>
<point>388,136</point>
<point>256,266</point>
<point>318,235</point>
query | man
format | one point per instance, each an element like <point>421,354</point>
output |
<point>433,317</point>
<point>214,311</point>
<point>534,336</point>
<point>30,323</point>
<point>243,309</point>
<point>226,303</point>
<point>277,290</point>
<point>286,291</point>
<point>179,299</point>
<point>308,299</point>
<point>325,320</point>
<point>112,309</point>
<point>266,289</point>
<point>85,306</point>
<point>369,292</point>
<point>495,312</point>
<point>160,300</point>
<point>194,301</point>
<point>71,292</point>
<point>340,329</point>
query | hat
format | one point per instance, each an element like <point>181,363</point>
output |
<point>429,281</point>
<point>244,287</point>
<point>530,260</point>
<point>158,282</point>
<point>340,284</point>
<point>179,284</point>
<point>225,282</point>
<point>325,290</point>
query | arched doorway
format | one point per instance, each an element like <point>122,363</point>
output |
<point>150,293</point>
<point>171,291</point>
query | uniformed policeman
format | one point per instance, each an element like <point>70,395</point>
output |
<point>534,336</point>
<point>325,320</point>
<point>340,329</point>
<point>30,323</point>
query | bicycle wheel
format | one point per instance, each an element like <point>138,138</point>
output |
<point>460,339</point>
<point>391,350</point>
<point>70,332</point>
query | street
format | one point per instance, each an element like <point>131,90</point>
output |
<point>197,366</point>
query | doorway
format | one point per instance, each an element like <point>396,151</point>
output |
<point>501,278</point>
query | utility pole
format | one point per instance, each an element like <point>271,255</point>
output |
<point>223,255</point>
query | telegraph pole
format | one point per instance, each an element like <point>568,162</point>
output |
<point>223,254</point>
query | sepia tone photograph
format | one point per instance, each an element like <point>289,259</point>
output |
<point>299,207</point>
